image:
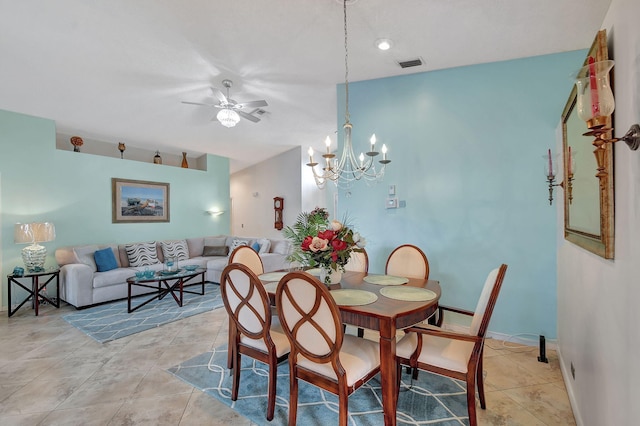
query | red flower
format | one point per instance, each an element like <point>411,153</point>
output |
<point>338,245</point>
<point>306,243</point>
<point>327,235</point>
<point>334,256</point>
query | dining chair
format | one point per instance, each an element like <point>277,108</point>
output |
<point>253,331</point>
<point>358,262</point>
<point>453,354</point>
<point>321,354</point>
<point>247,256</point>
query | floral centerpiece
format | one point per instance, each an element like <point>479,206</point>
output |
<point>319,242</point>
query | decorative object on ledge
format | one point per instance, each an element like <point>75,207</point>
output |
<point>35,255</point>
<point>344,171</point>
<point>185,164</point>
<point>157,159</point>
<point>278,206</point>
<point>139,201</point>
<point>77,142</point>
<point>121,148</point>
<point>595,103</point>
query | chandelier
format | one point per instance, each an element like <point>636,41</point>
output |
<point>346,169</point>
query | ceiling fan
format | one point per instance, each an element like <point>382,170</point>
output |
<point>230,110</point>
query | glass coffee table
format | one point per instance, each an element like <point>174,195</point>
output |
<point>166,283</point>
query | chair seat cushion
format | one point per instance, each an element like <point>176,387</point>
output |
<point>440,352</point>
<point>358,357</point>
<point>277,335</point>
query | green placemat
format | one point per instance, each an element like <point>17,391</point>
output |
<point>386,280</point>
<point>409,294</point>
<point>352,297</point>
<point>272,276</point>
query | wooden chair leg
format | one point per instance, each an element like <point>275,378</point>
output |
<point>360,332</point>
<point>273,376</point>
<point>480,381</point>
<point>293,397</point>
<point>414,374</point>
<point>230,346</point>
<point>343,413</point>
<point>471,398</point>
<point>236,376</point>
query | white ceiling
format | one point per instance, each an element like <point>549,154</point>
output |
<point>117,70</point>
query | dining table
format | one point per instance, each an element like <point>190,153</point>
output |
<point>386,315</point>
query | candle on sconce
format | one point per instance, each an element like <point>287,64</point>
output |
<point>384,151</point>
<point>550,165</point>
<point>569,169</point>
<point>361,158</point>
<point>373,142</point>
<point>327,142</point>
<point>593,86</point>
<point>310,155</point>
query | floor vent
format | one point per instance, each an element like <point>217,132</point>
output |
<point>410,63</point>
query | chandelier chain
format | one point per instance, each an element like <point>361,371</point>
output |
<point>346,65</point>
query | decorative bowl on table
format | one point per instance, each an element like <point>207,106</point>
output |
<point>140,275</point>
<point>149,274</point>
<point>190,268</point>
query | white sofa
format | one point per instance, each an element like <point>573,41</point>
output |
<point>81,285</point>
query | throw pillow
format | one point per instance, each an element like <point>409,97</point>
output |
<point>85,255</point>
<point>105,260</point>
<point>215,251</point>
<point>265,245</point>
<point>177,249</point>
<point>237,243</point>
<point>256,247</point>
<point>142,254</point>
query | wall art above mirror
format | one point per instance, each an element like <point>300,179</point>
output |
<point>588,206</point>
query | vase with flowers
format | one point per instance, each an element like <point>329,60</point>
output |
<point>321,243</point>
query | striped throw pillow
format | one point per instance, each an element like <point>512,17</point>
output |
<point>142,254</point>
<point>177,249</point>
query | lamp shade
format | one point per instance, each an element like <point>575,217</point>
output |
<point>594,95</point>
<point>28,233</point>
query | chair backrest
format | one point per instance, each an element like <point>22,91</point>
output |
<point>408,261</point>
<point>310,318</point>
<point>247,256</point>
<point>246,301</point>
<point>487,301</point>
<point>358,262</point>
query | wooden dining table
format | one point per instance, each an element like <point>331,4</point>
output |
<point>386,316</point>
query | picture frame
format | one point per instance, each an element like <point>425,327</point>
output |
<point>139,201</point>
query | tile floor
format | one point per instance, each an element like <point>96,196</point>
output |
<point>53,374</point>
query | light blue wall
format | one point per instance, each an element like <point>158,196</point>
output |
<point>466,146</point>
<point>73,190</point>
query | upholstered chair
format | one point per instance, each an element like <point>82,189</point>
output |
<point>247,256</point>
<point>253,330</point>
<point>358,262</point>
<point>321,354</point>
<point>457,355</point>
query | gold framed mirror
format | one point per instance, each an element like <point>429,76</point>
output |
<point>588,204</point>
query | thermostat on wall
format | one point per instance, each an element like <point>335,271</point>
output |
<point>392,203</point>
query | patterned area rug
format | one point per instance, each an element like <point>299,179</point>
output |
<point>111,321</point>
<point>432,399</point>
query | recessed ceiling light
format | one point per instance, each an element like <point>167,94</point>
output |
<point>384,44</point>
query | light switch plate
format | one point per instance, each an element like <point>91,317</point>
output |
<point>392,190</point>
<point>392,203</point>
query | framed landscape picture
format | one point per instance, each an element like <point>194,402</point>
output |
<point>139,201</point>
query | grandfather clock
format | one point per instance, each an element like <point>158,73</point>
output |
<point>278,205</point>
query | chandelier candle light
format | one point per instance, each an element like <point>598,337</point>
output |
<point>348,168</point>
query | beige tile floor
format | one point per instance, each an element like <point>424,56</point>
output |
<point>53,374</point>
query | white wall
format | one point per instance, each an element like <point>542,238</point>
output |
<point>597,299</point>
<point>253,190</point>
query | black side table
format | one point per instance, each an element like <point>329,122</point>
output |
<point>36,288</point>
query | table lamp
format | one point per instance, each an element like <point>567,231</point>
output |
<point>34,255</point>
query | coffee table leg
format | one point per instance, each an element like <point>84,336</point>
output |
<point>36,293</point>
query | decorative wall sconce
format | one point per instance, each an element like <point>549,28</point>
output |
<point>215,212</point>
<point>550,171</point>
<point>595,103</point>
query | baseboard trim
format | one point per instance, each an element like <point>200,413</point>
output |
<point>566,376</point>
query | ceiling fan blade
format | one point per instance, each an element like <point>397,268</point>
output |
<point>214,118</point>
<point>197,103</point>
<point>248,116</point>
<point>253,104</point>
<point>219,95</point>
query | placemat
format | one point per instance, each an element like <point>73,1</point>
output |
<point>271,287</point>
<point>409,294</point>
<point>386,280</point>
<point>315,272</point>
<point>352,297</point>
<point>272,276</point>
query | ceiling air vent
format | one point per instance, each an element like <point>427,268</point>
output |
<point>410,63</point>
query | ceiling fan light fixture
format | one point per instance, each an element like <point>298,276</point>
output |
<point>228,117</point>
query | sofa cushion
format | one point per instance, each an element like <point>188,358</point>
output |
<point>85,255</point>
<point>256,247</point>
<point>195,246</point>
<point>237,242</point>
<point>215,251</point>
<point>142,254</point>
<point>105,260</point>
<point>265,245</point>
<point>215,241</point>
<point>280,246</point>
<point>113,277</point>
<point>177,249</point>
